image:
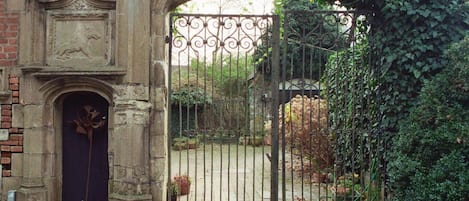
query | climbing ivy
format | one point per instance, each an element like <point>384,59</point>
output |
<point>412,36</point>
<point>408,44</point>
<point>409,41</point>
<point>351,96</point>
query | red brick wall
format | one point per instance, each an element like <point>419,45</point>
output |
<point>9,28</point>
<point>14,144</point>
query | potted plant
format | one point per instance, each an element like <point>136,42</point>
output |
<point>173,191</point>
<point>244,140</point>
<point>192,143</point>
<point>183,184</point>
<point>182,143</point>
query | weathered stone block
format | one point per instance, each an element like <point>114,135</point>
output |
<point>132,146</point>
<point>50,169</point>
<point>52,183</point>
<point>132,112</point>
<point>33,140</point>
<point>50,139</point>
<point>134,23</point>
<point>158,191</point>
<point>158,145</point>
<point>18,116</point>
<point>135,174</point>
<point>29,89</point>
<point>15,5</point>
<point>31,194</point>
<point>32,166</point>
<point>160,69</point>
<point>130,191</point>
<point>4,134</point>
<point>17,164</point>
<point>158,20</point>
<point>117,197</point>
<point>36,120</point>
<point>9,183</point>
<point>158,169</point>
<point>160,53</point>
<point>131,92</point>
<point>160,99</point>
<point>160,120</point>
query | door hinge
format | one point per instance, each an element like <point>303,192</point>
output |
<point>167,39</point>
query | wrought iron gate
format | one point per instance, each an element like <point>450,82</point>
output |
<point>328,109</point>
<point>220,103</point>
<point>253,117</point>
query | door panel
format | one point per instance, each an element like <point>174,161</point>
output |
<point>85,168</point>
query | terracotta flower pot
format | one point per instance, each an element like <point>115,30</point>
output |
<point>184,188</point>
<point>183,184</point>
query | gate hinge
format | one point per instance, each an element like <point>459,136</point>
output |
<point>166,39</point>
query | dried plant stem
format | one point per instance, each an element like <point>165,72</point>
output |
<point>90,150</point>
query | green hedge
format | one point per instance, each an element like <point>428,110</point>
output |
<point>429,160</point>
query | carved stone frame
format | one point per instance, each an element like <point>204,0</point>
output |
<point>80,19</point>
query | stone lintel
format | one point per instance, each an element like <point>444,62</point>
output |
<point>48,73</point>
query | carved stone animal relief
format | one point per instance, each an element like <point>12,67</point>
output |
<point>79,35</point>
<point>80,40</point>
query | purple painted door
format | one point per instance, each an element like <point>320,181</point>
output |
<point>85,166</point>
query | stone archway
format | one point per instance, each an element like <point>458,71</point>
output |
<point>56,93</point>
<point>42,177</point>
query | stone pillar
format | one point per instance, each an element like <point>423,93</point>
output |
<point>131,134</point>
<point>159,70</point>
<point>133,39</point>
<point>31,49</point>
<point>130,144</point>
<point>32,186</point>
<point>158,90</point>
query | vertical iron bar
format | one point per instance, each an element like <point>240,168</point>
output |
<point>168,97</point>
<point>275,114</point>
<point>205,66</point>
<point>283,78</point>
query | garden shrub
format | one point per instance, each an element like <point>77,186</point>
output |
<point>429,160</point>
<point>305,122</point>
